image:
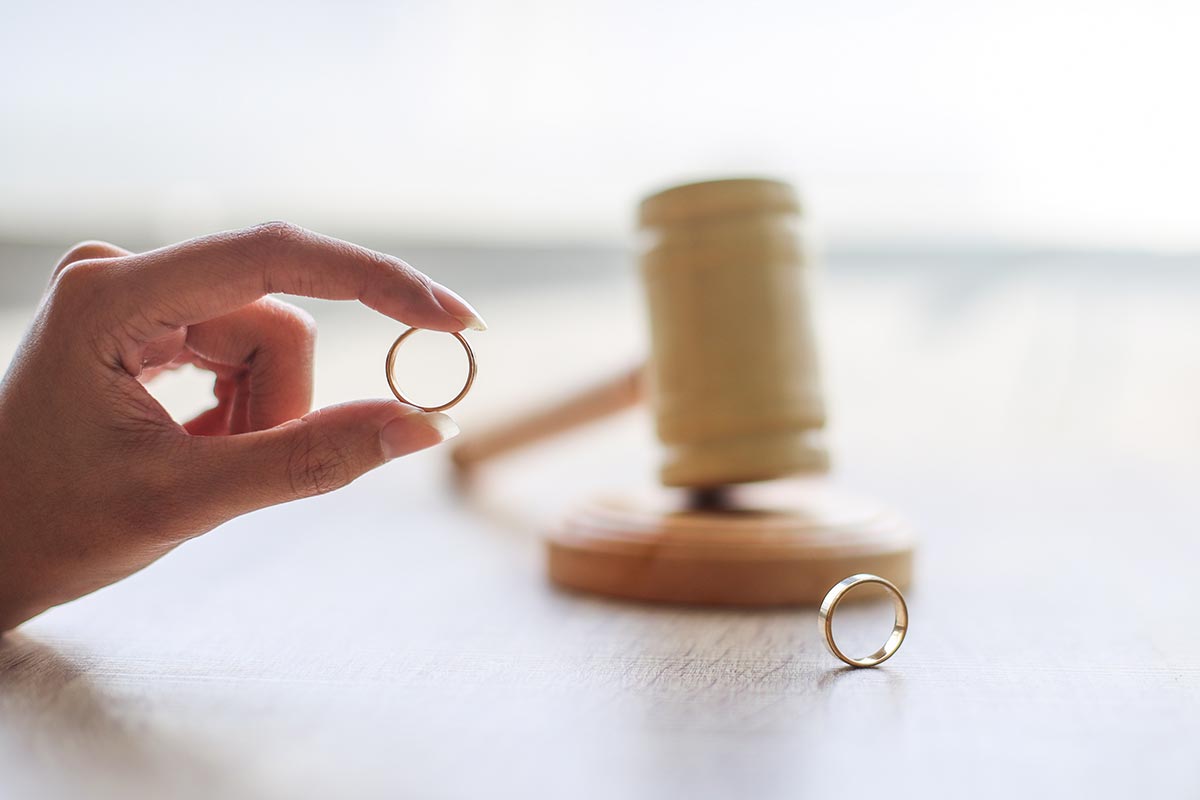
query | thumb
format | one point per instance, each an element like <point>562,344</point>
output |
<point>320,452</point>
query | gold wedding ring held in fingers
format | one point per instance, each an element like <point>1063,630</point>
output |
<point>899,628</point>
<point>390,368</point>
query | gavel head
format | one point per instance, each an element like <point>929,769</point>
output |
<point>733,368</point>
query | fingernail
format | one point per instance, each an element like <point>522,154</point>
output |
<point>416,431</point>
<point>458,308</point>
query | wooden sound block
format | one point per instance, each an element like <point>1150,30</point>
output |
<point>784,543</point>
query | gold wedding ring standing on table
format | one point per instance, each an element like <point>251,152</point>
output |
<point>390,368</point>
<point>899,628</point>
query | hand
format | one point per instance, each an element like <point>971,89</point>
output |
<point>97,480</point>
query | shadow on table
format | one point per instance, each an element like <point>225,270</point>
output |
<point>61,735</point>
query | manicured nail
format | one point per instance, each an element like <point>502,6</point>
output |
<point>416,431</point>
<point>458,308</point>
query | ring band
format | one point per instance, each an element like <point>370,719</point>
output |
<point>899,628</point>
<point>390,366</point>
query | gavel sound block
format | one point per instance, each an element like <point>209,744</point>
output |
<point>733,382</point>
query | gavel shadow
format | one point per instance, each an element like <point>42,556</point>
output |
<point>66,737</point>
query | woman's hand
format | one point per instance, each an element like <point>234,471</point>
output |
<point>97,480</point>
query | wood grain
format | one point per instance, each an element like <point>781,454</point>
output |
<point>398,640</point>
<point>768,544</point>
<point>736,399</point>
<point>733,366</point>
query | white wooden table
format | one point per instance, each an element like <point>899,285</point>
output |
<point>398,639</point>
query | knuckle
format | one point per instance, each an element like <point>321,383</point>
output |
<point>83,304</point>
<point>270,243</point>
<point>79,279</point>
<point>295,326</point>
<point>317,463</point>
<point>275,233</point>
<point>84,251</point>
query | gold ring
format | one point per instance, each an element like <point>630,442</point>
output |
<point>390,367</point>
<point>899,628</point>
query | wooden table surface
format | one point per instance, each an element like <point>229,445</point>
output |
<point>398,638</point>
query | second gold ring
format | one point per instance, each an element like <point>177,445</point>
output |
<point>899,627</point>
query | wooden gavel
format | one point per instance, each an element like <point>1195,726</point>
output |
<point>733,381</point>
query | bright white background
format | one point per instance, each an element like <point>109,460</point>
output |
<point>1063,124</point>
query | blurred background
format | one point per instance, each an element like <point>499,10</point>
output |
<point>1002,195</point>
<point>1002,201</point>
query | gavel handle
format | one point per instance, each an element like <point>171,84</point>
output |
<point>596,402</point>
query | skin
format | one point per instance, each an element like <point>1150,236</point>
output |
<point>97,480</point>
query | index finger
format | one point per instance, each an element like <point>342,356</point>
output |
<point>200,279</point>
